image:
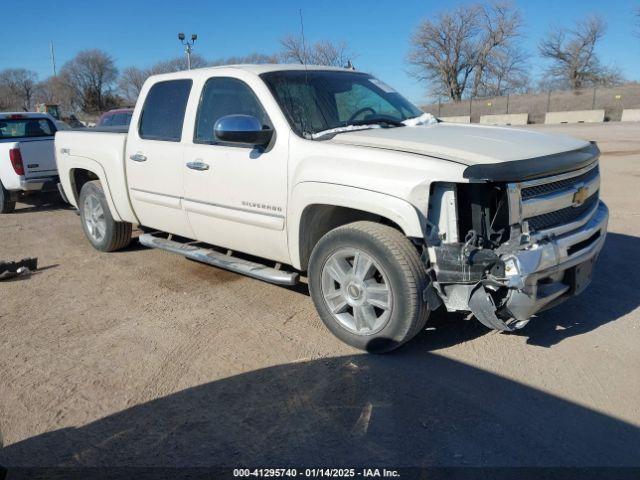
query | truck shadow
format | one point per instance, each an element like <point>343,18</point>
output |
<point>413,408</point>
<point>41,202</point>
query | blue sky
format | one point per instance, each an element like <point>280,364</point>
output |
<point>141,33</point>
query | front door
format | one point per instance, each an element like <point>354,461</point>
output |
<point>154,158</point>
<point>235,196</point>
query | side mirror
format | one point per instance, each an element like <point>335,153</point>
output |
<point>242,129</point>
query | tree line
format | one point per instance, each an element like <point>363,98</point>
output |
<point>468,51</point>
<point>91,82</point>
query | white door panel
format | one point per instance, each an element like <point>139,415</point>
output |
<point>156,185</point>
<point>162,200</point>
<point>272,222</point>
<point>232,204</point>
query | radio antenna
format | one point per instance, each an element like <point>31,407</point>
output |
<point>304,43</point>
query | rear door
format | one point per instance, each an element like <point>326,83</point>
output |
<point>154,157</point>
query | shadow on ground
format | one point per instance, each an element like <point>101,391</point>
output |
<point>614,292</point>
<point>41,202</point>
<point>413,408</point>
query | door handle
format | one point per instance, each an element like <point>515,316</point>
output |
<point>198,165</point>
<point>138,157</point>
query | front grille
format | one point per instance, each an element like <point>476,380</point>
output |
<point>564,215</point>
<point>545,188</point>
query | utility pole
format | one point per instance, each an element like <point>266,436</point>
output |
<point>53,58</point>
<point>188,46</point>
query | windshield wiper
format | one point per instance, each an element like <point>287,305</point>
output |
<point>358,125</point>
<point>378,121</point>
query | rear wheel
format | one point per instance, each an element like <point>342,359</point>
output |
<point>6,204</point>
<point>104,233</point>
<point>366,281</point>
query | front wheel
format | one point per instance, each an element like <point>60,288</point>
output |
<point>104,233</point>
<point>367,281</point>
<point>6,204</point>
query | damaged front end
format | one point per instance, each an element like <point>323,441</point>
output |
<point>504,250</point>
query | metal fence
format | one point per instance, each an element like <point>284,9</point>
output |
<point>612,100</point>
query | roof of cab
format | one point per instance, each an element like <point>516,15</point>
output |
<point>253,68</point>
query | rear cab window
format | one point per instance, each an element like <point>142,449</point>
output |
<point>15,128</point>
<point>163,111</point>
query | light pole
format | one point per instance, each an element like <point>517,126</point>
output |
<point>188,46</point>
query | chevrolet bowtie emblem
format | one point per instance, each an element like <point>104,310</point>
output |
<point>580,196</point>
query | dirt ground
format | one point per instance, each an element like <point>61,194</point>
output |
<point>142,357</point>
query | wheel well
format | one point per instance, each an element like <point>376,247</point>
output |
<point>317,220</point>
<point>79,177</point>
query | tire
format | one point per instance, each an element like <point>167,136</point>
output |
<point>6,204</point>
<point>102,231</point>
<point>378,273</point>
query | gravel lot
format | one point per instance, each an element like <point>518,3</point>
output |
<point>142,357</point>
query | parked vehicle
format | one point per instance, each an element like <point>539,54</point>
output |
<point>27,160</point>
<point>120,117</point>
<point>62,120</point>
<point>331,172</point>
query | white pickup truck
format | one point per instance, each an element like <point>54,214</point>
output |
<point>275,171</point>
<point>27,158</point>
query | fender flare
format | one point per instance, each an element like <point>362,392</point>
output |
<point>305,194</point>
<point>84,163</point>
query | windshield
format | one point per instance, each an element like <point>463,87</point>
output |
<point>26,127</point>
<point>316,100</point>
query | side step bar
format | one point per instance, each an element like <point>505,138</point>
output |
<point>220,260</point>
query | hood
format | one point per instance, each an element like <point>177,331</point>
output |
<point>466,144</point>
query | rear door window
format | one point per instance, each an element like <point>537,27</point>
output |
<point>163,111</point>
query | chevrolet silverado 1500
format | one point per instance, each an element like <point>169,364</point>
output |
<point>275,171</point>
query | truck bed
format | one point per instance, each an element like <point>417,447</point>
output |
<point>99,150</point>
<point>116,129</point>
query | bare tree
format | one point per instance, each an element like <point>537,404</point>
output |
<point>461,48</point>
<point>130,83</point>
<point>91,75</point>
<point>252,58</point>
<point>572,52</point>
<point>18,87</point>
<point>506,73</point>
<point>57,91</point>
<point>295,50</point>
<point>132,78</point>
<point>499,60</point>
<point>177,64</point>
<point>636,14</point>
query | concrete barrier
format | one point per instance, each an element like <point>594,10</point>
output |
<point>457,119</point>
<point>630,115</point>
<point>505,119</point>
<point>577,116</point>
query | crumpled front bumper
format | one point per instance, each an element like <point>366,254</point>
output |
<point>552,269</point>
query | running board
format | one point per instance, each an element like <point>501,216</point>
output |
<point>220,260</point>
